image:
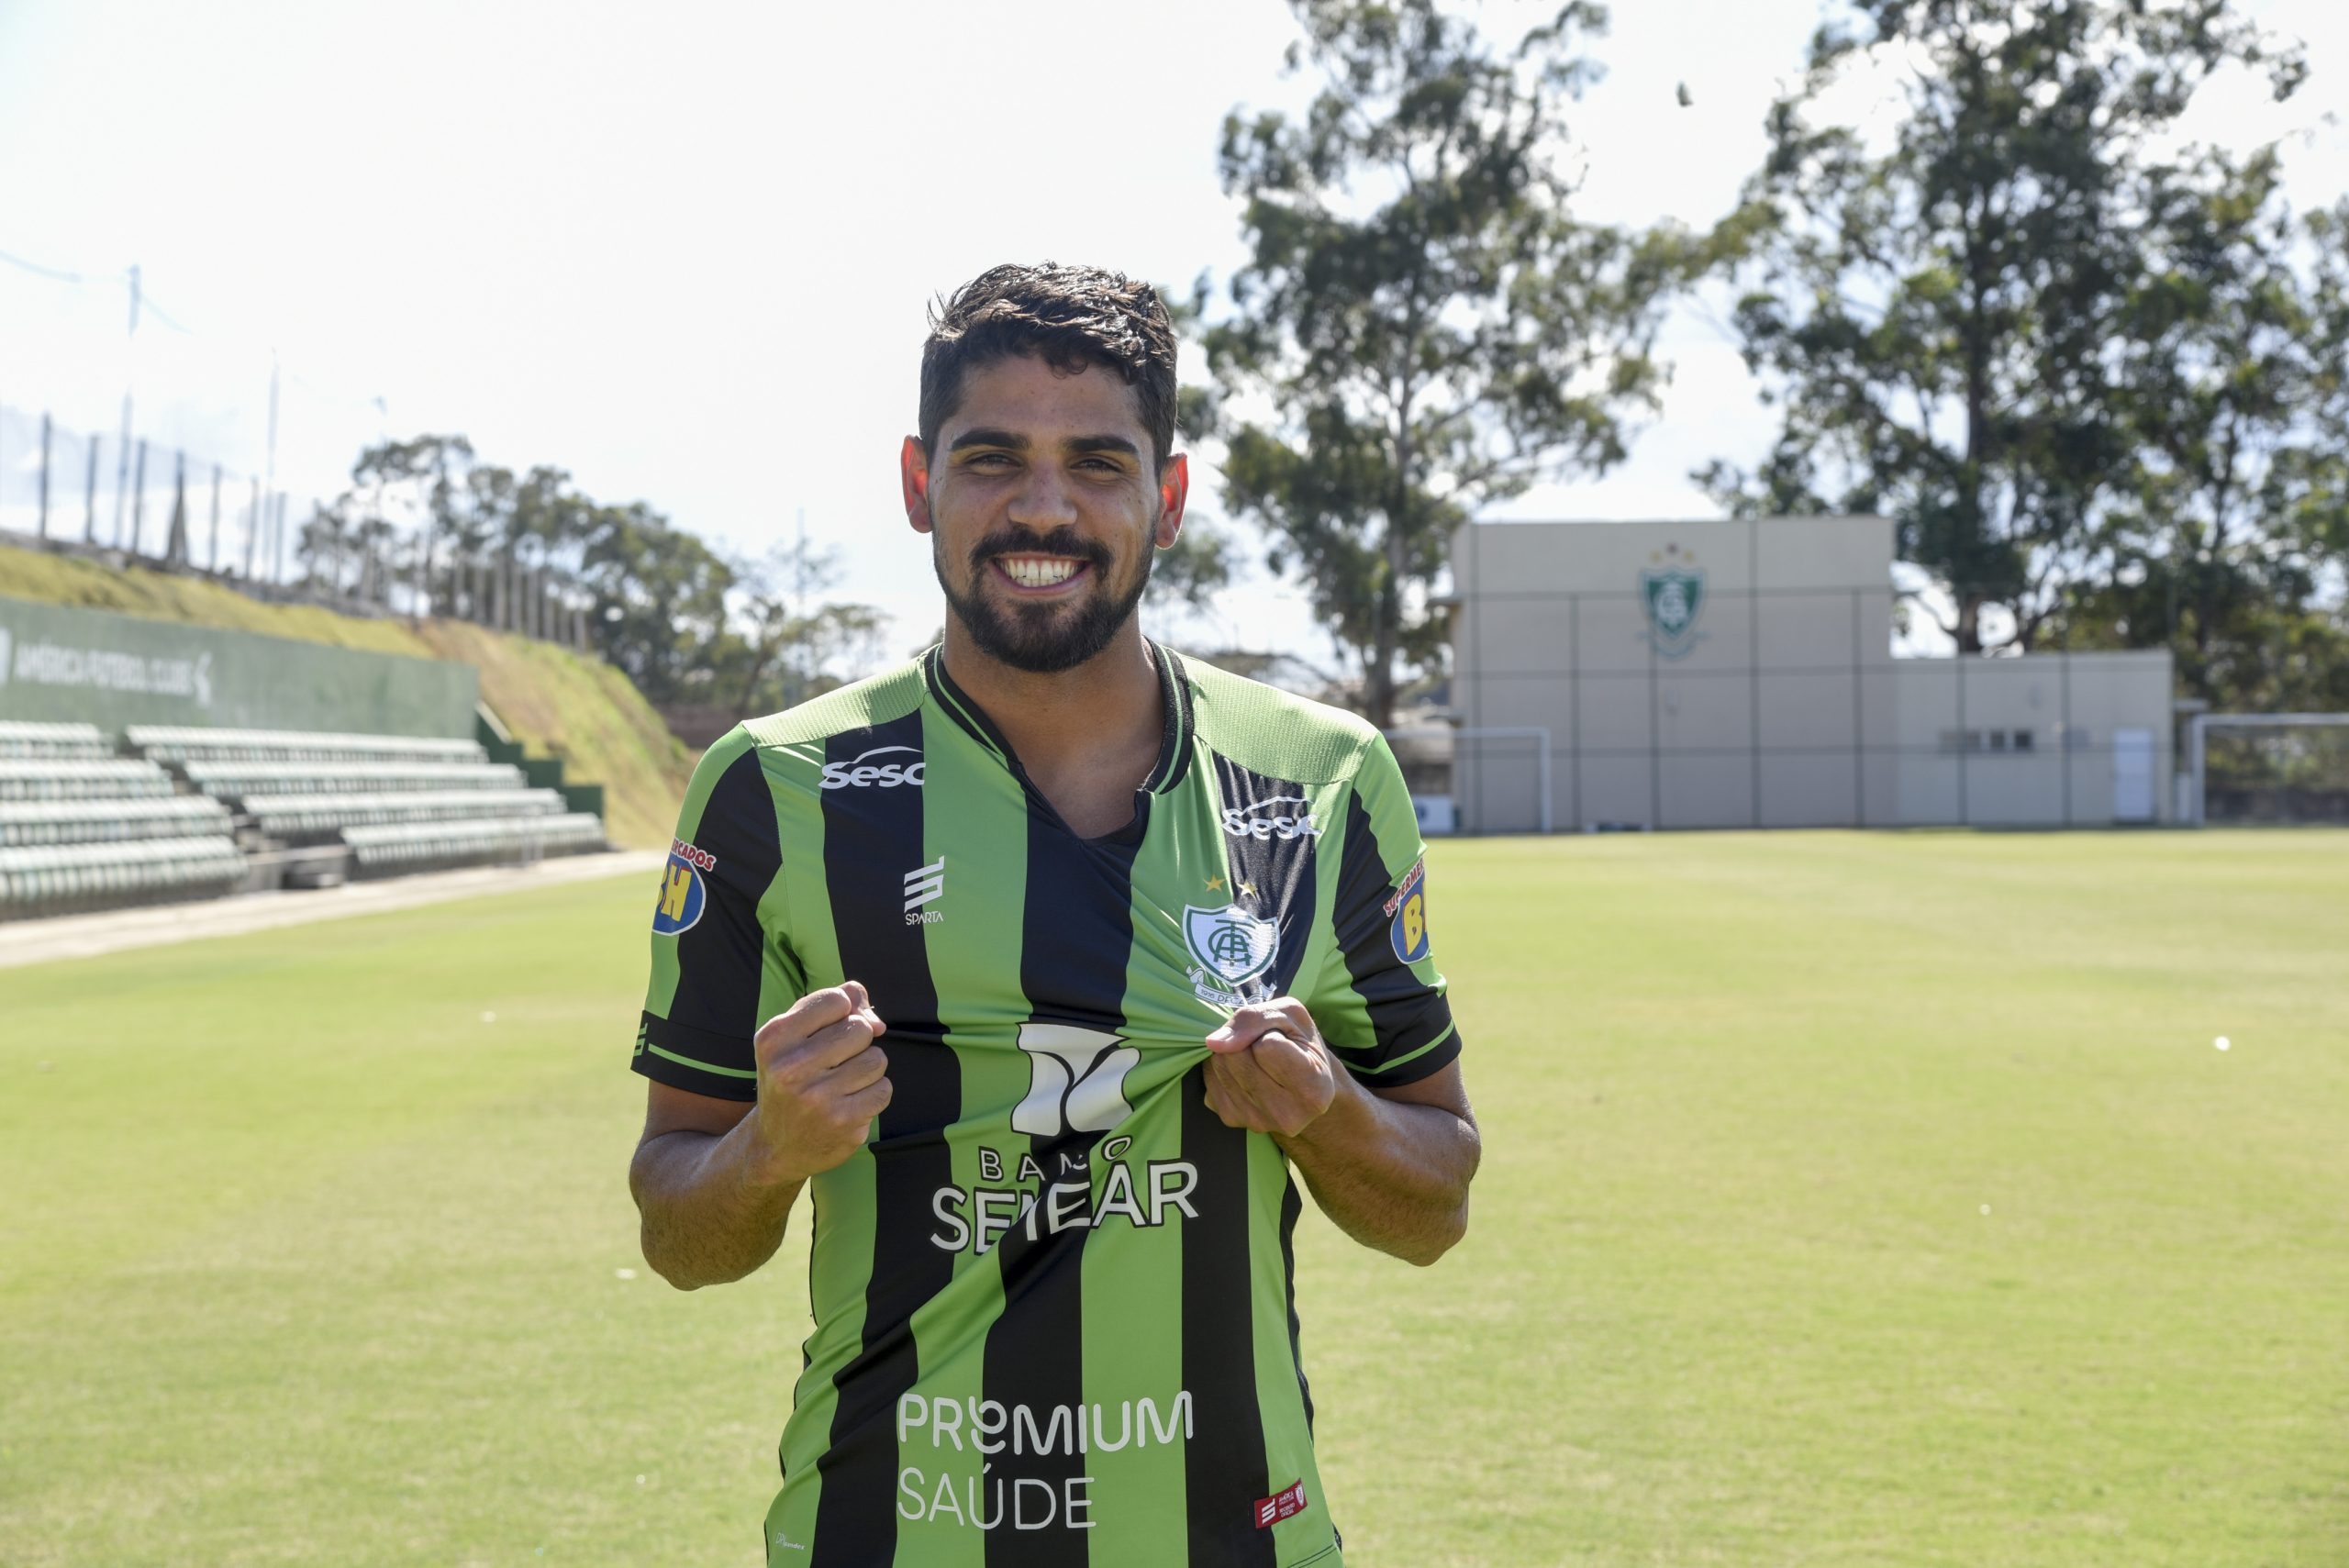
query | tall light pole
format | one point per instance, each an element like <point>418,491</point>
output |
<point>129,380</point>
<point>268,484</point>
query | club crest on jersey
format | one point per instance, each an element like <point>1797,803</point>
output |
<point>1407,908</point>
<point>1233,946</point>
<point>684,895</point>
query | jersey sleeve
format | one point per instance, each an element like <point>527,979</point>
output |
<point>1380,1002</point>
<point>715,946</point>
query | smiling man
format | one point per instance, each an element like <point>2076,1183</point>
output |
<point>1041,962</point>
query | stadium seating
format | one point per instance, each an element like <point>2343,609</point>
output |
<point>55,778</point>
<point>236,782</point>
<point>81,829</point>
<point>396,803</point>
<point>28,822</point>
<point>178,744</point>
<point>198,813</point>
<point>19,739</point>
<point>434,846</point>
<point>54,879</point>
<point>294,817</point>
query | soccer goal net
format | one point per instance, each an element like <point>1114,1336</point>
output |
<point>2269,767</point>
<point>1476,779</point>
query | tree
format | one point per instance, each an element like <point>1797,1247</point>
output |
<point>420,483</point>
<point>2235,499</point>
<point>1197,567</point>
<point>690,627</point>
<point>1945,321</point>
<point>790,648</point>
<point>326,547</point>
<point>1420,329</point>
<point>660,607</point>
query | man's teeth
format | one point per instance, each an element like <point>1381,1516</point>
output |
<point>1038,571</point>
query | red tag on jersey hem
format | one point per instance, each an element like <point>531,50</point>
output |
<point>1282,1504</point>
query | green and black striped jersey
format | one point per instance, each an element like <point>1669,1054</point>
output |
<point>1054,1315</point>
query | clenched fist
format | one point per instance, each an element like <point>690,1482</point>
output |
<point>1270,1073</point>
<point>821,1082</point>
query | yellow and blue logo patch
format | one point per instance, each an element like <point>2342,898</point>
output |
<point>683,893</point>
<point>1407,909</point>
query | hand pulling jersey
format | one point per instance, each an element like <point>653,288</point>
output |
<point>1054,1324</point>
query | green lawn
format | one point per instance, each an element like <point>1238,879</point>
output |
<point>1849,1199</point>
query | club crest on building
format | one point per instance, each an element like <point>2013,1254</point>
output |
<point>1233,948</point>
<point>1673,594</point>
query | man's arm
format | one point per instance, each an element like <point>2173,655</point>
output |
<point>714,1180</point>
<point>1390,1167</point>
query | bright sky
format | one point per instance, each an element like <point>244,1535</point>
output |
<point>685,252</point>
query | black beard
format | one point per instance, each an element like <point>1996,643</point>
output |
<point>1042,639</point>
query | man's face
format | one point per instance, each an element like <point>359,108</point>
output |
<point>1043,510</point>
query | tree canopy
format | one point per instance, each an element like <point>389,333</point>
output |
<point>691,626</point>
<point>2091,374</point>
<point>1421,328</point>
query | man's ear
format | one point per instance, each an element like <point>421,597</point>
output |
<point>913,473</point>
<point>1173,493</point>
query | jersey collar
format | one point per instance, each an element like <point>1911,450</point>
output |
<point>1175,699</point>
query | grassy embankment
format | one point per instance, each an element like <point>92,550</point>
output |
<point>1849,1200</point>
<point>554,701</point>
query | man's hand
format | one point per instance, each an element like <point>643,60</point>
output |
<point>1270,1071</point>
<point>821,1082</point>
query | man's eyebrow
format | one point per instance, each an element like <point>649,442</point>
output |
<point>1011,441</point>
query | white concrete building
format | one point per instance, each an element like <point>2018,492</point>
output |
<point>1739,674</point>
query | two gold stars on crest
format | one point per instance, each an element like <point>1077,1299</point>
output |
<point>1215,885</point>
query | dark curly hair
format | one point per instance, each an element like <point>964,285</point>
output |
<point>1069,318</point>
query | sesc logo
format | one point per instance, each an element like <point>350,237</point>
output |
<point>1263,819</point>
<point>863,772</point>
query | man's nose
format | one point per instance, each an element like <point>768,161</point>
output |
<point>1045,501</point>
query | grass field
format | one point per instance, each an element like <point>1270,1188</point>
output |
<point>1848,1199</point>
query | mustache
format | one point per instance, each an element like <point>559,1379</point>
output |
<point>1063,540</point>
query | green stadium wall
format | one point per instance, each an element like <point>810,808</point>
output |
<point>60,664</point>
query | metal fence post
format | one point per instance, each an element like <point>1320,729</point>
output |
<point>1859,724</point>
<point>122,474</point>
<point>1574,699</point>
<point>2064,679</point>
<point>137,499</point>
<point>175,545</point>
<point>252,530</point>
<point>1753,658</point>
<point>1655,743</point>
<point>1963,818</point>
<point>44,475</point>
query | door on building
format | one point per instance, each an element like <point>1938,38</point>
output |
<point>2133,775</point>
